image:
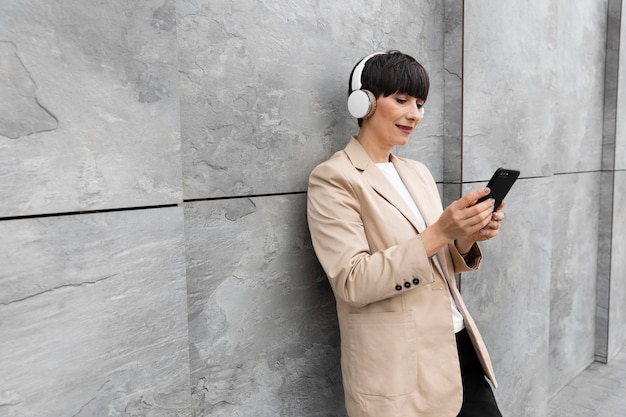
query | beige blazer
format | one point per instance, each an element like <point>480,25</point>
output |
<point>398,347</point>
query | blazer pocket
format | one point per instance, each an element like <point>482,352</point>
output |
<point>381,353</point>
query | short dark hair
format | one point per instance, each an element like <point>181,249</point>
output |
<point>394,72</point>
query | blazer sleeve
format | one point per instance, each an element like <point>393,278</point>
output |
<point>357,275</point>
<point>469,262</point>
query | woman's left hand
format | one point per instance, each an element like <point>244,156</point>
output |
<point>491,230</point>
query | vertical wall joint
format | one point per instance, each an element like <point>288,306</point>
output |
<point>611,77</point>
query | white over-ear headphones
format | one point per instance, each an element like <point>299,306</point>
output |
<point>361,103</point>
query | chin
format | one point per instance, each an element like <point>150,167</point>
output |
<point>402,142</point>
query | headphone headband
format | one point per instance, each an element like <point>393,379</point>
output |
<point>356,83</point>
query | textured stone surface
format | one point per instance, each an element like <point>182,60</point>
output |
<point>574,267</point>
<point>92,307</point>
<point>509,297</point>
<point>605,258</point>
<point>580,59</point>
<point>453,103</point>
<point>529,104</point>
<point>264,86</point>
<point>617,310</point>
<point>617,48</point>
<point>92,316</point>
<point>89,105</point>
<point>609,332</point>
<point>620,141</point>
<point>263,330</point>
<point>509,116</point>
<point>617,319</point>
<point>510,87</point>
<point>21,113</point>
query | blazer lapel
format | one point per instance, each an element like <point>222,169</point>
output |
<point>418,188</point>
<point>377,180</point>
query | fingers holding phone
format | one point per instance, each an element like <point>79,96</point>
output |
<point>499,185</point>
<point>493,227</point>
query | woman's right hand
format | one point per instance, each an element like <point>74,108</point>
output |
<point>460,219</point>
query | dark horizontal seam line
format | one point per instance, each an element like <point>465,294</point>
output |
<point>538,176</point>
<point>194,200</point>
<point>119,209</point>
<point>74,213</point>
<point>487,180</point>
<point>585,172</point>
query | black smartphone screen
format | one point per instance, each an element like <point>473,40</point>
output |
<point>500,183</point>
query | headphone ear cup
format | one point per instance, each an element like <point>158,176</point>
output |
<point>361,104</point>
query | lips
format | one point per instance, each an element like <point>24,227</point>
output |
<point>405,129</point>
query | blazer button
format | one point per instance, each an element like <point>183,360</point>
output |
<point>398,287</point>
<point>407,285</point>
<point>416,281</point>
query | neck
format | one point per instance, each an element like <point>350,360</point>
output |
<point>377,152</point>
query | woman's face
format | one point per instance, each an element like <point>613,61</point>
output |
<point>395,118</point>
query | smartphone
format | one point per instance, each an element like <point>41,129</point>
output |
<point>500,183</point>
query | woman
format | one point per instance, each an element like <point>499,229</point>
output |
<point>409,346</point>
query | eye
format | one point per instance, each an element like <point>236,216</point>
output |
<point>401,100</point>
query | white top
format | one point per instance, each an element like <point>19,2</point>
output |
<point>392,175</point>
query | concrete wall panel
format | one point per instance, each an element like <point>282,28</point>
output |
<point>605,258</point>
<point>620,139</point>
<point>88,106</point>
<point>573,285</point>
<point>617,319</point>
<point>609,330</point>
<point>264,86</point>
<point>92,315</point>
<point>263,330</point>
<point>534,100</point>
<point>509,297</point>
<point>508,118</point>
<point>617,308</point>
<point>453,99</point>
<point>578,85</point>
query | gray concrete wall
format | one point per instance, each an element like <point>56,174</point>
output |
<point>93,315</point>
<point>533,99</point>
<point>259,109</point>
<point>617,288</point>
<point>89,110</point>
<point>154,254</point>
<point>507,121</point>
<point>611,294</point>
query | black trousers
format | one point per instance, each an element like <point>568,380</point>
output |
<point>478,399</point>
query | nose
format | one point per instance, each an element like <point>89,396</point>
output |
<point>416,114</point>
